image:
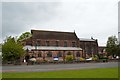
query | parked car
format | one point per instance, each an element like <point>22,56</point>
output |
<point>89,59</point>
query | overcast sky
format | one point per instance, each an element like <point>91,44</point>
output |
<point>96,18</point>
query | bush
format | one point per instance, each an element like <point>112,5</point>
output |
<point>94,59</point>
<point>45,61</point>
<point>82,59</point>
<point>42,61</point>
<point>69,58</point>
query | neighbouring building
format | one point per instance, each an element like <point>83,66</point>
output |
<point>49,44</point>
<point>102,50</point>
<point>89,46</point>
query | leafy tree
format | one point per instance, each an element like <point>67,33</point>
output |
<point>118,50</point>
<point>12,50</point>
<point>112,44</point>
<point>24,36</point>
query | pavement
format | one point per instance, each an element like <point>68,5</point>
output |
<point>54,67</point>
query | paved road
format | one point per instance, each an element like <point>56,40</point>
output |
<point>53,67</point>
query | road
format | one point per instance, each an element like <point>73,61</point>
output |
<point>53,67</point>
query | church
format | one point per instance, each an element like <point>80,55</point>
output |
<point>50,44</point>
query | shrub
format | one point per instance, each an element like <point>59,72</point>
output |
<point>69,58</point>
<point>82,59</point>
<point>94,59</point>
<point>43,61</point>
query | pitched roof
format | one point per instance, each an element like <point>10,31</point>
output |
<point>42,34</point>
<point>83,39</point>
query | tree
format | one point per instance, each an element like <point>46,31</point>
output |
<point>118,50</point>
<point>12,50</point>
<point>24,36</point>
<point>112,44</point>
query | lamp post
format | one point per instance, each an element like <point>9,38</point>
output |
<point>27,50</point>
<point>27,56</point>
<point>119,37</point>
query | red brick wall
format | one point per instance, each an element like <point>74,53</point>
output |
<point>53,42</point>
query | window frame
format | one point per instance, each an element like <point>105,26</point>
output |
<point>47,43</point>
<point>65,43</point>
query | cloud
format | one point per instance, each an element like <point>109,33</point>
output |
<point>19,17</point>
<point>0,22</point>
<point>88,18</point>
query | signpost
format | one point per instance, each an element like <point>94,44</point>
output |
<point>56,58</point>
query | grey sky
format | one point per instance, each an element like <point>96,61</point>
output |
<point>96,18</point>
<point>119,20</point>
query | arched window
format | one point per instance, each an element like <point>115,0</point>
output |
<point>49,54</point>
<point>73,44</point>
<point>47,43</point>
<point>65,44</point>
<point>39,54</point>
<point>57,44</point>
<point>78,54</point>
<point>59,54</point>
<point>38,43</point>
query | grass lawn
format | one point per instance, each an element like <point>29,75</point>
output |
<point>0,75</point>
<point>83,73</point>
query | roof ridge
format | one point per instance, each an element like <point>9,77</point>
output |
<point>51,31</point>
<point>86,39</point>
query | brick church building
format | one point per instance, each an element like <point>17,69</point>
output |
<point>49,44</point>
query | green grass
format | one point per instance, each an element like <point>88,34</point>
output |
<point>0,75</point>
<point>83,73</point>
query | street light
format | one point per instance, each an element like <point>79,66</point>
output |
<point>27,56</point>
<point>27,50</point>
<point>119,37</point>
